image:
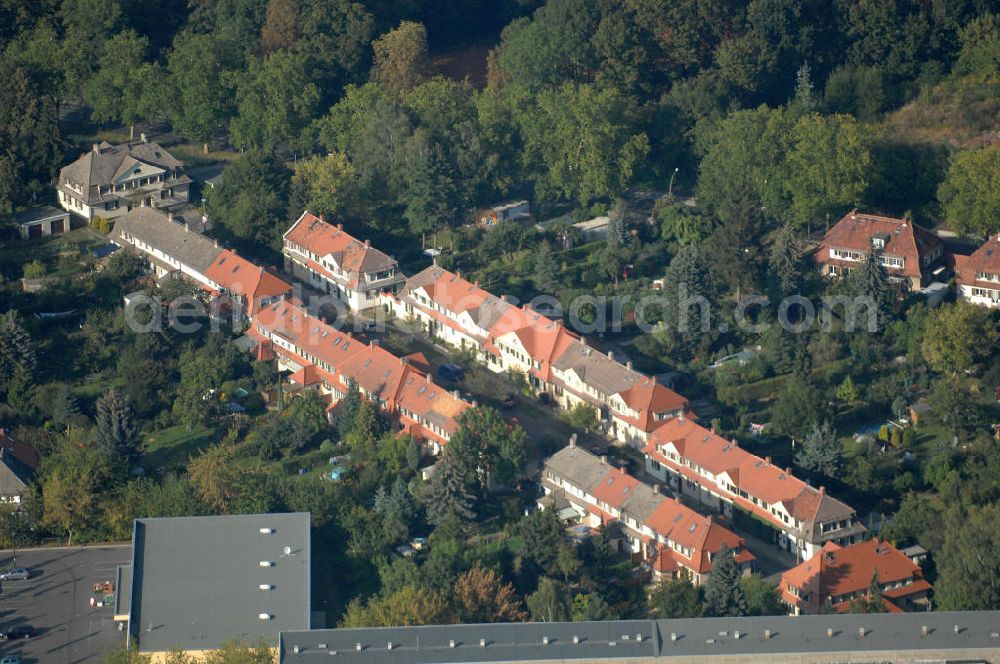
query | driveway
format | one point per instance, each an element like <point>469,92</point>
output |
<point>56,602</point>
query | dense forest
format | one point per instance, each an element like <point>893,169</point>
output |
<point>763,122</point>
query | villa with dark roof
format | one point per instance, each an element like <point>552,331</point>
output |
<point>110,180</point>
<point>331,261</point>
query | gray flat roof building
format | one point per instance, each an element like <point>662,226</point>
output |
<point>968,636</point>
<point>197,582</point>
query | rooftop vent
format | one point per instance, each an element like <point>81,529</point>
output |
<point>482,643</point>
<point>545,640</point>
<point>451,643</point>
<point>861,632</point>
<point>265,587</point>
<point>264,616</point>
<point>296,649</point>
<point>924,630</point>
<point>767,634</point>
<point>576,639</point>
<point>388,646</point>
<point>267,531</point>
<point>673,636</point>
<point>267,563</point>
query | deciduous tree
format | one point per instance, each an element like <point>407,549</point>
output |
<point>400,57</point>
<point>481,596</point>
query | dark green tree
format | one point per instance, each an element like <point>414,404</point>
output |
<point>275,102</point>
<point>785,262</point>
<point>871,601</point>
<point>251,201</point>
<point>201,69</point>
<point>688,296</point>
<point>449,502</point>
<point>871,282</point>
<point>488,447</point>
<point>723,593</point>
<point>546,270</point>
<point>115,426</point>
<point>821,451</point>
<point>677,598</point>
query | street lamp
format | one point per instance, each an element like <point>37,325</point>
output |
<point>670,188</point>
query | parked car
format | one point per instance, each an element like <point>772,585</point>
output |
<point>17,632</point>
<point>451,371</point>
<point>15,574</point>
<point>11,659</point>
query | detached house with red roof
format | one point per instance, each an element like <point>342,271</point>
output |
<point>837,575</point>
<point>174,250</point>
<point>696,463</point>
<point>978,275</point>
<point>322,357</point>
<point>329,260</point>
<point>909,252</point>
<point>553,359</point>
<point>674,540</point>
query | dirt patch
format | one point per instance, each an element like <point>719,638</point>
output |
<point>464,62</point>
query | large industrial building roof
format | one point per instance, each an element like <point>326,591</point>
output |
<point>881,637</point>
<point>198,582</point>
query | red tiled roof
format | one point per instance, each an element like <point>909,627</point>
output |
<point>615,488</point>
<point>837,571</point>
<point>324,239</point>
<point>902,238</point>
<point>333,355</point>
<point>985,259</point>
<point>752,474</point>
<point>241,277</point>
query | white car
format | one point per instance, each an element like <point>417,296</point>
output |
<point>15,574</point>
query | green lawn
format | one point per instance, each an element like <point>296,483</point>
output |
<point>47,250</point>
<point>171,448</point>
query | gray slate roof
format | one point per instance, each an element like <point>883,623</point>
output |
<point>101,166</point>
<point>578,466</point>
<point>157,230</point>
<point>14,475</point>
<point>792,638</point>
<point>597,369</point>
<point>34,215</point>
<point>195,580</point>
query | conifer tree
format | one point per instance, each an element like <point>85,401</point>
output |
<point>449,503</point>
<point>115,426</point>
<point>546,275</point>
<point>821,451</point>
<point>871,281</point>
<point>723,594</point>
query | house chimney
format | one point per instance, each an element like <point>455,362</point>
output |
<point>97,148</point>
<point>611,355</point>
<point>628,364</point>
<point>322,217</point>
<point>583,340</point>
<point>368,243</point>
<point>170,216</point>
<point>604,459</point>
<point>656,489</point>
<point>216,242</point>
<point>187,227</point>
<point>822,490</point>
<point>767,460</point>
<point>788,471</point>
<point>340,227</point>
<point>572,440</point>
<point>142,137</point>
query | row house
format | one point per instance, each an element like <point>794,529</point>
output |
<point>978,275</point>
<point>696,463</point>
<point>324,358</point>
<point>837,575</point>
<point>329,260</point>
<point>110,180</point>
<point>555,361</point>
<point>910,253</point>
<point>673,539</point>
<point>174,250</point>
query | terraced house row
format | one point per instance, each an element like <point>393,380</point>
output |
<point>555,361</point>
<point>673,539</point>
<point>324,358</point>
<point>694,462</point>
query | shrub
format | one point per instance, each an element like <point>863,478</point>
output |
<point>34,270</point>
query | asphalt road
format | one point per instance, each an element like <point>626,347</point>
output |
<point>56,602</point>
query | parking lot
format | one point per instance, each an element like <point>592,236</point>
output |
<point>56,602</point>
